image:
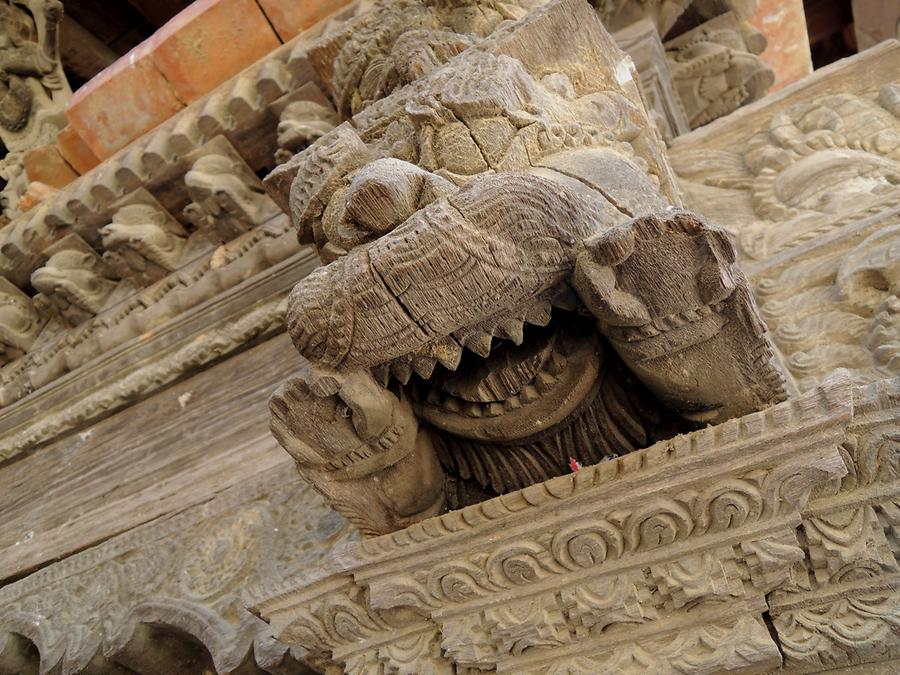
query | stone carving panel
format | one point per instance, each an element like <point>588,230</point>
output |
<point>33,89</point>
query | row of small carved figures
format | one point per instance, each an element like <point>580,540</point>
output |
<point>158,207</point>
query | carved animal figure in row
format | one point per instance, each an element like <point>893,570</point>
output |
<point>19,322</point>
<point>508,290</point>
<point>76,283</point>
<point>223,203</point>
<point>143,244</point>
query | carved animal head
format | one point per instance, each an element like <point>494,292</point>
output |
<point>301,123</point>
<point>489,114</point>
<point>19,323</point>
<point>75,278</point>
<point>218,178</point>
<point>147,231</point>
<point>454,216</point>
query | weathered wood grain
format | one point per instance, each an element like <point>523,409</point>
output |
<point>174,449</point>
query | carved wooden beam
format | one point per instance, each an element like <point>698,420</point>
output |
<point>621,565</point>
<point>761,171</point>
<point>151,600</point>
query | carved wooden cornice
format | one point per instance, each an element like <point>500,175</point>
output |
<point>194,176</point>
<point>662,558</point>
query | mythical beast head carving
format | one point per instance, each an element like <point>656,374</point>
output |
<point>509,287</point>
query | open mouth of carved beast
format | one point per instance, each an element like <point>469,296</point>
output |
<point>528,402</point>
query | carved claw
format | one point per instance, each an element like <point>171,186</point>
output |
<point>666,292</point>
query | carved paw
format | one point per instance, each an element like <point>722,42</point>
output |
<point>330,419</point>
<point>666,292</point>
<point>358,444</point>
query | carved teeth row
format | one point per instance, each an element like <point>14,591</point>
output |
<point>479,340</point>
<point>541,384</point>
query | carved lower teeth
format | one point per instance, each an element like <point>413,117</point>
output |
<point>452,404</point>
<point>473,410</point>
<point>529,394</point>
<point>556,363</point>
<point>493,409</point>
<point>544,382</point>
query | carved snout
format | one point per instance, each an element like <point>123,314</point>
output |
<point>498,243</point>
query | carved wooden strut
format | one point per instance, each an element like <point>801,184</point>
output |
<point>510,285</point>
